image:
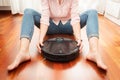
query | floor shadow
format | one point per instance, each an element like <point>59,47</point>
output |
<point>62,65</point>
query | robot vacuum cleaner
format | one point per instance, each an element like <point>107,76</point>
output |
<point>60,49</point>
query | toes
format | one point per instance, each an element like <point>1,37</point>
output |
<point>88,57</point>
<point>13,65</point>
<point>18,60</point>
<point>102,65</point>
<point>97,60</point>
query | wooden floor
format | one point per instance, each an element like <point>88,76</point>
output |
<point>40,69</point>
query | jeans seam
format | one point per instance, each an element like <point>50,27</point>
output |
<point>93,35</point>
<point>25,36</point>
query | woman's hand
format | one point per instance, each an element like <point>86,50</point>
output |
<point>77,34</point>
<point>79,43</point>
<point>43,30</point>
<point>39,46</point>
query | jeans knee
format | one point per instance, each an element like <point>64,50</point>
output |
<point>28,11</point>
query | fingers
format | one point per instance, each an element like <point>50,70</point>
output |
<point>79,42</point>
<point>38,46</point>
<point>81,47</point>
<point>41,44</point>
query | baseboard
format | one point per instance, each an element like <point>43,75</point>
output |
<point>5,8</point>
<point>113,19</point>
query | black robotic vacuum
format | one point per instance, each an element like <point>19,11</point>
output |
<point>60,49</point>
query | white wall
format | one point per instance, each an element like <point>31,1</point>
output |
<point>18,6</point>
<point>99,5</point>
<point>5,5</point>
<point>4,2</point>
<point>118,1</point>
<point>112,11</point>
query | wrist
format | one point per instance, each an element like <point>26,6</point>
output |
<point>77,37</point>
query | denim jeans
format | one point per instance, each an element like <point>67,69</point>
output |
<point>32,17</point>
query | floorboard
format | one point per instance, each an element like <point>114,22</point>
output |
<point>41,69</point>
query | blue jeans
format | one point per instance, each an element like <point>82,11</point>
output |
<point>31,18</point>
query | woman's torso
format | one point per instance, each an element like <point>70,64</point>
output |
<point>60,11</point>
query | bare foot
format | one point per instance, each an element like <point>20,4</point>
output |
<point>21,57</point>
<point>95,57</point>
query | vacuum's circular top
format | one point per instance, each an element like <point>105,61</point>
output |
<point>60,49</point>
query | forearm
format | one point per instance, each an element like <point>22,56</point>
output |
<point>43,31</point>
<point>77,31</point>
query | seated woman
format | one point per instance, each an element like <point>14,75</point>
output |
<point>59,17</point>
